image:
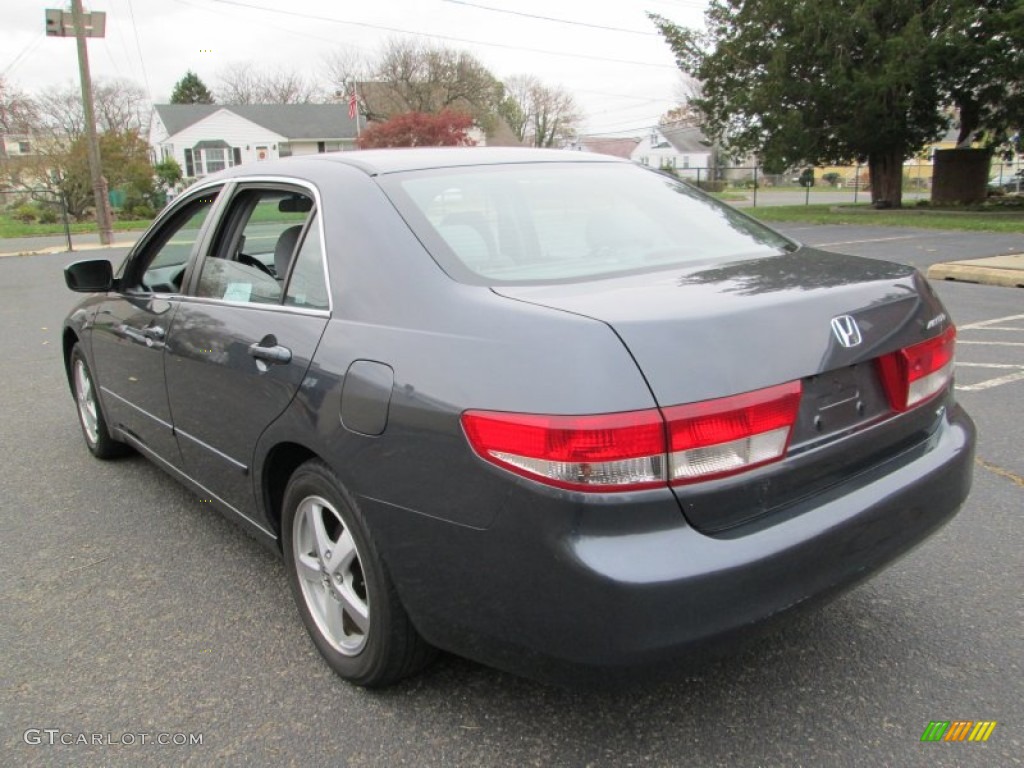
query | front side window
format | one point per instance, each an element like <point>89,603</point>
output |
<point>550,222</point>
<point>252,253</point>
<point>160,264</point>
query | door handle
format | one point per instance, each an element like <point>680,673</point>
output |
<point>272,354</point>
<point>154,332</point>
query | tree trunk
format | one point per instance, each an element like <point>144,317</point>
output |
<point>886,169</point>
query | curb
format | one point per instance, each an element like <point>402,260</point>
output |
<point>1005,271</point>
<point>79,248</point>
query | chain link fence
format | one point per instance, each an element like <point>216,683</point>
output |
<point>820,185</point>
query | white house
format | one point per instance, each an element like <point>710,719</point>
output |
<point>683,149</point>
<point>16,145</point>
<point>206,138</point>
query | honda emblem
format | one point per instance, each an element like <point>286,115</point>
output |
<point>846,330</point>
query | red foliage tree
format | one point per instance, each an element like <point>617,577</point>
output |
<point>418,129</point>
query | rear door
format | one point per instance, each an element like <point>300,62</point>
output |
<point>244,334</point>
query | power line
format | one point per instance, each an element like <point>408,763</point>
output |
<point>550,18</point>
<point>31,46</point>
<point>398,30</point>
<point>297,33</point>
<point>635,129</point>
<point>124,47</point>
<point>138,46</point>
<point>644,99</point>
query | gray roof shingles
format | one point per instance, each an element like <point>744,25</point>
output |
<point>293,121</point>
<point>686,139</point>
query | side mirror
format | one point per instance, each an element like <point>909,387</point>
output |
<point>90,276</point>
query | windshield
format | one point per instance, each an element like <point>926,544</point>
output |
<point>556,222</point>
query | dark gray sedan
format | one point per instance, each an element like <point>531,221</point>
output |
<point>545,410</point>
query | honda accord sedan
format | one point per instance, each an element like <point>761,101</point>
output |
<point>540,409</point>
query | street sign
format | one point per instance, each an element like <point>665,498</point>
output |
<point>62,24</point>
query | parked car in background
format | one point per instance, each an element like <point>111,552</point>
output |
<point>542,409</point>
<point>1011,182</point>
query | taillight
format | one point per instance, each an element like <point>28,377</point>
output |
<point>715,438</point>
<point>610,452</point>
<point>640,449</point>
<point>915,374</point>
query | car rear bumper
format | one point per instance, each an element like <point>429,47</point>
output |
<point>586,582</point>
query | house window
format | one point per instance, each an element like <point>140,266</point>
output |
<point>190,170</point>
<point>166,152</point>
<point>236,155</point>
<point>321,146</point>
<point>24,147</point>
<point>215,160</point>
<point>284,149</point>
<point>686,161</point>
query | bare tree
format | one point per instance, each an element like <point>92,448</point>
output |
<point>344,67</point>
<point>242,83</point>
<point>17,111</point>
<point>120,106</point>
<point>410,76</point>
<point>685,114</point>
<point>540,115</point>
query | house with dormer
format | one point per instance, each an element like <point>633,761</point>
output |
<point>683,149</point>
<point>206,138</point>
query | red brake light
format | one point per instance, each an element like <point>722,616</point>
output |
<point>633,451</point>
<point>720,437</point>
<point>615,451</point>
<point>915,374</point>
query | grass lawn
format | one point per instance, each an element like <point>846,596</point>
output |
<point>972,221</point>
<point>13,228</point>
<point>730,197</point>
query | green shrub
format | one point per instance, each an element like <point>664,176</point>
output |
<point>47,216</point>
<point>26,213</point>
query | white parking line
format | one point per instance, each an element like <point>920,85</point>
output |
<point>1013,372</point>
<point>877,240</point>
<point>1010,366</point>
<point>986,323</point>
<point>992,343</point>
<point>989,383</point>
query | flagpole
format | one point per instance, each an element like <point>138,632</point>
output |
<point>355,98</point>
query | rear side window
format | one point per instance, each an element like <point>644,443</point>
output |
<point>307,285</point>
<point>558,222</point>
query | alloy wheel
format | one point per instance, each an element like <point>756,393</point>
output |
<point>331,575</point>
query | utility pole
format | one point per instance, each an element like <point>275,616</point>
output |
<point>85,25</point>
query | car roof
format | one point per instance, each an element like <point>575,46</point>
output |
<point>375,162</point>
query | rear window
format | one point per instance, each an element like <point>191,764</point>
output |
<point>559,222</point>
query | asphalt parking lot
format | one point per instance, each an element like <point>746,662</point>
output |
<point>130,612</point>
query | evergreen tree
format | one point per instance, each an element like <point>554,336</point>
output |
<point>804,81</point>
<point>191,90</point>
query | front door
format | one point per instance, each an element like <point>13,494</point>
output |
<point>131,326</point>
<point>243,337</point>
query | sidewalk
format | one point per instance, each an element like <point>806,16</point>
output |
<point>25,246</point>
<point>1007,271</point>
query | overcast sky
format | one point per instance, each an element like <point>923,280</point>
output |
<point>623,77</point>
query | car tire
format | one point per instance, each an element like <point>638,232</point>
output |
<point>341,585</point>
<point>90,412</point>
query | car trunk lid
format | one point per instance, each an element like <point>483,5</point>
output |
<point>711,332</point>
